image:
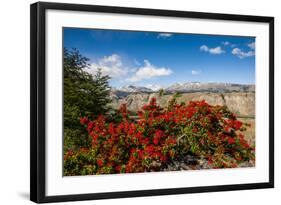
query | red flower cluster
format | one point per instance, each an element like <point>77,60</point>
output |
<point>131,146</point>
<point>160,135</point>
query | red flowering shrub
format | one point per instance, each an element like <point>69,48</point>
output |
<point>159,136</point>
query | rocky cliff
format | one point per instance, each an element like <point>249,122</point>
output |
<point>241,103</point>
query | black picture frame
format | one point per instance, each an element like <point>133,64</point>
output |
<point>38,100</point>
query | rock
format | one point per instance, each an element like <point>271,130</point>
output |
<point>191,160</point>
<point>185,167</point>
<point>187,162</point>
<point>204,164</point>
<point>247,164</point>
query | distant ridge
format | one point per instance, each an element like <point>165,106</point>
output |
<point>190,87</point>
<point>134,89</point>
<point>210,87</point>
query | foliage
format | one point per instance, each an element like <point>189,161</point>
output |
<point>161,92</point>
<point>158,137</point>
<point>84,95</point>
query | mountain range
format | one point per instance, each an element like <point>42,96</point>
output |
<point>188,87</point>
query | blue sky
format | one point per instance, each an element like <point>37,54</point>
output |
<point>162,59</point>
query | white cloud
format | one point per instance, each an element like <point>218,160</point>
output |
<point>164,35</point>
<point>113,66</point>
<point>148,71</point>
<point>241,54</point>
<point>204,48</point>
<point>225,43</point>
<point>196,72</point>
<point>252,45</point>
<point>228,44</point>
<point>110,65</point>
<point>217,50</point>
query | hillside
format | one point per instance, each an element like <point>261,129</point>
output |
<point>241,103</point>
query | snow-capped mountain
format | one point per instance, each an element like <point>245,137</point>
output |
<point>135,89</point>
<point>189,87</point>
<point>210,87</point>
<point>154,87</point>
<point>184,86</point>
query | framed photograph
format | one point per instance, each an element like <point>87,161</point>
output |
<point>129,102</point>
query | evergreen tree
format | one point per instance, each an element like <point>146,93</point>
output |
<point>84,95</point>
